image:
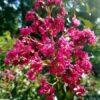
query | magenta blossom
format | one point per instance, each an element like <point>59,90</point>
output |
<point>46,88</point>
<point>80,90</point>
<point>25,31</point>
<point>30,16</point>
<point>75,22</point>
<point>56,2</point>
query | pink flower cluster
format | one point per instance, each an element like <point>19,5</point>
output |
<point>56,2</point>
<point>47,89</point>
<point>47,42</point>
<point>26,31</point>
<point>75,22</point>
<point>30,16</point>
<point>9,74</point>
<point>54,25</point>
<point>21,54</point>
<point>81,37</point>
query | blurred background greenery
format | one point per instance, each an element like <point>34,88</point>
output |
<point>12,13</point>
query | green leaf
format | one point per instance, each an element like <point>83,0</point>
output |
<point>87,23</point>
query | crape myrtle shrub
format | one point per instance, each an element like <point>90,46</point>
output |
<point>50,49</point>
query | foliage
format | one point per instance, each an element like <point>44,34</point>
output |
<point>12,14</point>
<point>8,19</point>
<point>6,43</point>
